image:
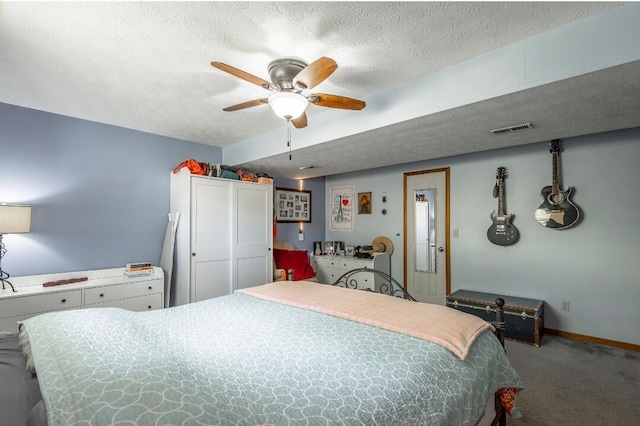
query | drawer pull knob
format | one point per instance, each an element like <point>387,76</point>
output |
<point>150,288</point>
<point>63,300</point>
<point>101,294</point>
<point>149,306</point>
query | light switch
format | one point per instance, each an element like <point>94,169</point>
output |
<point>300,236</point>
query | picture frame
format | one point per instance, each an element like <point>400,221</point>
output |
<point>341,208</point>
<point>364,202</point>
<point>292,205</point>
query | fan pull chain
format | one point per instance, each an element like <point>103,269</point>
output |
<point>289,136</point>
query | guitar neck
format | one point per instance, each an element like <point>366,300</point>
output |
<point>555,186</point>
<point>500,199</point>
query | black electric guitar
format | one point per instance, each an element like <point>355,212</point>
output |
<point>556,211</point>
<point>502,232</point>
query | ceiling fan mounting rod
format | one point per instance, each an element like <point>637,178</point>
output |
<point>283,71</point>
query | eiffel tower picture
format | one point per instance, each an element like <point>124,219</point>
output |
<point>341,209</point>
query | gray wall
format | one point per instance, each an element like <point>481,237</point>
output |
<point>100,194</point>
<point>593,265</point>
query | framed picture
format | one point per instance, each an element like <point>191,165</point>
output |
<point>341,209</point>
<point>364,203</point>
<point>292,205</point>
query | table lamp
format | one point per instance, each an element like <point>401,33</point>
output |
<point>14,219</point>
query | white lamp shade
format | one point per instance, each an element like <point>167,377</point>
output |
<point>14,219</point>
<point>288,105</point>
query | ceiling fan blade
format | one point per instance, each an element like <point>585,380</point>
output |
<point>247,104</point>
<point>315,73</point>
<point>335,101</point>
<point>300,122</point>
<point>243,75</point>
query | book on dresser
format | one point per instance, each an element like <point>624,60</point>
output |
<point>139,269</point>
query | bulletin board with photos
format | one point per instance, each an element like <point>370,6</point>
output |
<point>292,205</point>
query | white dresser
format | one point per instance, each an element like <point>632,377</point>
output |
<point>330,268</point>
<point>103,288</point>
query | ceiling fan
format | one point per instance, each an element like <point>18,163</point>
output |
<point>290,77</point>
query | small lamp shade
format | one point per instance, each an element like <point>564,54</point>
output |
<point>14,219</point>
<point>288,104</point>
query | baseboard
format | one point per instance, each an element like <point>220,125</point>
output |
<point>591,339</point>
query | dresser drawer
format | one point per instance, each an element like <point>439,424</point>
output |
<point>349,264</point>
<point>45,302</point>
<point>365,280</point>
<point>120,291</point>
<point>325,262</point>
<point>10,324</point>
<point>141,303</point>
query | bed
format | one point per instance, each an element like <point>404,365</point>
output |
<point>286,353</point>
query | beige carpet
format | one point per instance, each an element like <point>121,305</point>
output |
<point>568,382</point>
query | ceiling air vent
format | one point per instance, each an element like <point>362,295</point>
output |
<point>512,128</point>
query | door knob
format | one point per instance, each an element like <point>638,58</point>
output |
<point>440,249</point>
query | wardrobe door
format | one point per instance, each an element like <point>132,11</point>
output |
<point>252,239</point>
<point>211,237</point>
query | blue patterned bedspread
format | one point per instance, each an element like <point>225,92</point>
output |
<point>238,360</point>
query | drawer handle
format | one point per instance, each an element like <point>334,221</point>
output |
<point>150,288</point>
<point>101,294</point>
<point>149,306</point>
<point>63,300</point>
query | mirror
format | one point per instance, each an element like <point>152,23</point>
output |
<point>425,229</point>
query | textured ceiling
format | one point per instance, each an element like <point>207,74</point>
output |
<point>146,66</point>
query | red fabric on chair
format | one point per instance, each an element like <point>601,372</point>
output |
<point>298,260</point>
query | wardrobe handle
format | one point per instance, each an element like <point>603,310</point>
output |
<point>193,254</point>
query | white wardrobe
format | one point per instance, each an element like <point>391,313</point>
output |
<point>224,236</point>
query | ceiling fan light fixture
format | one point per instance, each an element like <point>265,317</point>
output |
<point>288,105</point>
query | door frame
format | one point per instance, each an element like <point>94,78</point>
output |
<point>447,238</point>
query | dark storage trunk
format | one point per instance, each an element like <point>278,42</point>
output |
<point>524,318</point>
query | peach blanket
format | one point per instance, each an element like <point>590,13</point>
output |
<point>444,326</point>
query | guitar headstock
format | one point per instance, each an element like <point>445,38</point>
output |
<point>501,173</point>
<point>554,146</point>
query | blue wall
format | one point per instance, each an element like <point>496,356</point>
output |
<point>100,197</point>
<point>313,231</point>
<point>100,194</point>
<point>594,265</point>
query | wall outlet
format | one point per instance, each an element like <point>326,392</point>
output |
<point>564,306</point>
